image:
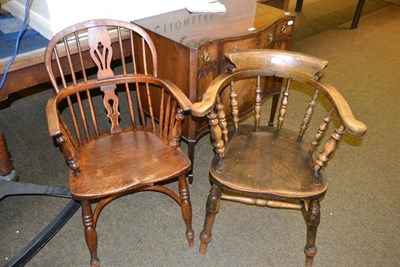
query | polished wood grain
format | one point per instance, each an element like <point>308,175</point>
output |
<point>105,123</point>
<point>191,48</point>
<point>279,166</point>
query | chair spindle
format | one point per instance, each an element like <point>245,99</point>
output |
<point>74,121</point>
<point>221,118</point>
<point>329,147</point>
<point>63,81</point>
<point>149,102</point>
<point>234,106</point>
<point>177,129</point>
<point>79,47</point>
<point>257,108</point>
<point>283,108</point>
<point>321,131</point>
<point>216,134</point>
<point>307,116</point>
<point>71,66</point>
<point>167,115</point>
<point>138,93</point>
<point>83,117</point>
<point>172,117</point>
<point>162,112</point>
<point>124,72</point>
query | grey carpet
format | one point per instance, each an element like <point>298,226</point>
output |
<point>360,213</point>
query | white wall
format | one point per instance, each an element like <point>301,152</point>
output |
<point>51,16</point>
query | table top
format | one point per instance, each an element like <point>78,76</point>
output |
<point>242,17</point>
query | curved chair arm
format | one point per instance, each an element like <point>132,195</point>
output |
<point>53,122</point>
<point>54,127</point>
<point>343,109</point>
<point>277,60</point>
<point>202,108</point>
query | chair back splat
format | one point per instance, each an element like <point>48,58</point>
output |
<point>274,166</point>
<point>115,120</point>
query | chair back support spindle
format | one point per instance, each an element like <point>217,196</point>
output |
<point>308,115</point>
<point>234,106</point>
<point>222,119</point>
<point>284,103</point>
<point>257,106</point>
<point>329,147</point>
<point>321,131</point>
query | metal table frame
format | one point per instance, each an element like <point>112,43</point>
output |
<point>356,17</point>
<point>14,188</point>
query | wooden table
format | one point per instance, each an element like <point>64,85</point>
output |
<point>191,48</point>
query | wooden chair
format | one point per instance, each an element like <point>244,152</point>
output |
<point>273,166</point>
<point>119,131</point>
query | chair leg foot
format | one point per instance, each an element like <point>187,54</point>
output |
<point>309,261</point>
<point>190,238</point>
<point>90,233</point>
<point>312,220</point>
<point>186,208</point>
<point>212,208</point>
<point>203,248</point>
<point>95,263</point>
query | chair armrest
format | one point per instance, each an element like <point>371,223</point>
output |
<point>202,108</point>
<point>53,122</point>
<point>343,109</point>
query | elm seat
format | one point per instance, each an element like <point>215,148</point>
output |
<point>273,165</point>
<point>266,163</point>
<point>135,155</point>
<point>119,129</point>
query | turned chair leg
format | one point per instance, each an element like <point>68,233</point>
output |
<point>312,220</point>
<point>90,233</point>
<point>212,208</point>
<point>186,208</point>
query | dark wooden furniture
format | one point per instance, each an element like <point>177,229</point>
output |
<point>273,166</point>
<point>191,48</point>
<point>26,71</point>
<point>356,17</point>
<point>105,123</point>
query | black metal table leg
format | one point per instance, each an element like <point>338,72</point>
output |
<point>299,5</point>
<point>357,14</point>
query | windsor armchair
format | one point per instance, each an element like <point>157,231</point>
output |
<point>266,165</point>
<point>105,123</point>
